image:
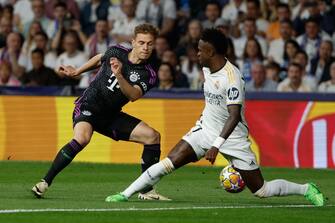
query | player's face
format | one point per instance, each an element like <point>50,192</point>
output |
<point>143,44</point>
<point>204,53</point>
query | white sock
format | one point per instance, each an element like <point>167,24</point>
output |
<point>281,188</point>
<point>150,177</point>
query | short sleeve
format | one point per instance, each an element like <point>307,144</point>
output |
<point>148,81</point>
<point>107,55</point>
<point>234,90</point>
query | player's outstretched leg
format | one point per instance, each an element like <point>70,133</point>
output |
<point>150,138</point>
<point>279,187</point>
<point>179,156</point>
<point>150,156</point>
<point>149,178</point>
<point>63,158</point>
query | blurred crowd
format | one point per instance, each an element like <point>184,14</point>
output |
<point>279,45</point>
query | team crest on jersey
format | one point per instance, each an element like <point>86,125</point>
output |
<point>134,76</point>
<point>87,113</point>
<point>233,93</point>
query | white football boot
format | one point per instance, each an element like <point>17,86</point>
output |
<point>152,195</point>
<point>40,188</point>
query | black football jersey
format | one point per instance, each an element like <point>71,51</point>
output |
<point>108,94</point>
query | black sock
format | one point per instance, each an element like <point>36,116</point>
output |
<point>63,158</point>
<point>150,156</point>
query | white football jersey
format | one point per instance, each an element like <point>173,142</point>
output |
<point>221,89</point>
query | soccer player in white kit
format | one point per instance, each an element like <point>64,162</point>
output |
<point>221,128</point>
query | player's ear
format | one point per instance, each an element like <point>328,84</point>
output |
<point>211,51</point>
<point>133,41</point>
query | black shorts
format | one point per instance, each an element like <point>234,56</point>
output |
<point>117,125</point>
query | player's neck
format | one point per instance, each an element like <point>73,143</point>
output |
<point>217,64</point>
<point>133,58</point>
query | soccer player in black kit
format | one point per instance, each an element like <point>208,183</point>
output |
<point>125,75</point>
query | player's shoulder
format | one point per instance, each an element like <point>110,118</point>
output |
<point>232,73</point>
<point>118,49</point>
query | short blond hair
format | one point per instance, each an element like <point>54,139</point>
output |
<point>146,28</point>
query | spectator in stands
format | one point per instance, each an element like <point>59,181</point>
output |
<point>99,40</point>
<point>192,36</point>
<point>320,65</point>
<point>40,41</point>
<point>71,6</point>
<point>74,56</point>
<point>274,28</point>
<point>301,58</point>
<point>253,11</point>
<point>269,9</point>
<point>60,20</point>
<point>6,27</point>
<point>115,13</point>
<point>24,61</point>
<point>180,78</point>
<point>191,68</point>
<point>291,48</point>
<point>329,86</point>
<point>161,45</point>
<point>6,77</point>
<point>252,54</point>
<point>300,11</point>
<point>272,72</point>
<point>166,76</point>
<point>8,11</point>
<point>73,26</point>
<point>259,82</point>
<point>313,11</point>
<point>212,13</point>
<point>294,81</point>
<point>233,10</point>
<point>276,48</point>
<point>123,29</point>
<point>161,13</point>
<point>328,23</point>
<point>38,7</point>
<point>310,41</point>
<point>93,11</point>
<point>40,75</point>
<point>82,3</point>
<point>11,52</point>
<point>23,13</point>
<point>250,31</point>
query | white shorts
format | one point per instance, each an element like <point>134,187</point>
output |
<point>236,151</point>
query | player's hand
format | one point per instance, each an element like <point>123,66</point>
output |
<point>211,154</point>
<point>68,71</point>
<point>116,66</point>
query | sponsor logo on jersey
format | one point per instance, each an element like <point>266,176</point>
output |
<point>145,87</point>
<point>233,93</point>
<point>212,98</point>
<point>87,113</point>
<point>134,76</point>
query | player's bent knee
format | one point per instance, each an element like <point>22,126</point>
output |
<point>83,139</point>
<point>152,137</point>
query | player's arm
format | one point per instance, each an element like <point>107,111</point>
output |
<point>70,71</point>
<point>131,92</point>
<point>233,119</point>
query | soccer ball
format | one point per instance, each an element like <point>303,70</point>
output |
<point>231,180</point>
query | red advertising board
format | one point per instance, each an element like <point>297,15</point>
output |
<point>293,133</point>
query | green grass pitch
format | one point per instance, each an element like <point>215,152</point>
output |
<point>78,193</point>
